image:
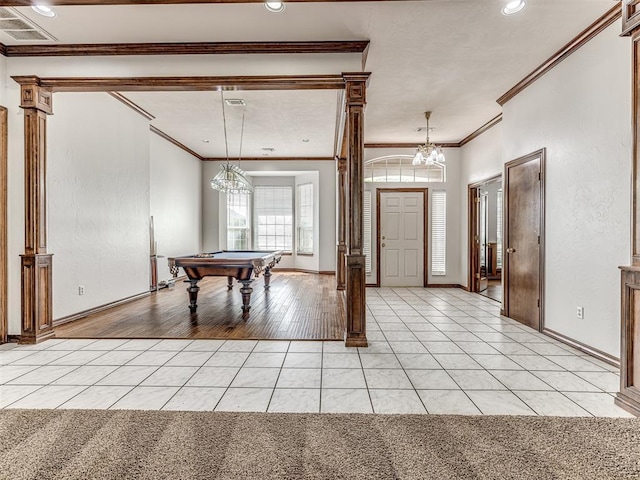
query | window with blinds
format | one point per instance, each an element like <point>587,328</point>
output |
<point>238,221</point>
<point>367,230</point>
<point>304,218</point>
<point>499,233</point>
<point>438,232</point>
<point>273,213</point>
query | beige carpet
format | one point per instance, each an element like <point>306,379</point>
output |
<point>95,445</point>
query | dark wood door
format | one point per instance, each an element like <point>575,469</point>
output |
<point>524,239</point>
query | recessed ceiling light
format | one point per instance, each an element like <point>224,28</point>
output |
<point>305,140</point>
<point>274,7</point>
<point>205,140</point>
<point>513,7</point>
<point>44,10</point>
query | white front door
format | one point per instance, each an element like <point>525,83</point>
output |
<point>402,239</point>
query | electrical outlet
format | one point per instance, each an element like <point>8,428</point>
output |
<point>81,290</point>
<point>580,312</point>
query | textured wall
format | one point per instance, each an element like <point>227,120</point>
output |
<point>481,160</point>
<point>98,201</point>
<point>580,112</point>
<point>176,195</point>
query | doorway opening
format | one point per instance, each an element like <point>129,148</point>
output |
<point>486,208</point>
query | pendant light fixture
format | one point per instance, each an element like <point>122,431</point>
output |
<point>231,178</point>
<point>429,153</point>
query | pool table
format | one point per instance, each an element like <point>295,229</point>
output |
<point>243,265</point>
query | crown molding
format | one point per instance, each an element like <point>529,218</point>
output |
<point>269,159</point>
<point>132,105</point>
<point>491,123</point>
<point>187,48</point>
<point>175,142</point>
<point>611,16</point>
<point>410,145</point>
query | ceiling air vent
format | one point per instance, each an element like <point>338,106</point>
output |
<point>19,27</point>
<point>235,102</point>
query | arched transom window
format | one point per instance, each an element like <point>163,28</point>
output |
<point>399,168</point>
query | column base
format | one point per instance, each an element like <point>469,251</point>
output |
<point>341,266</point>
<point>37,315</point>
<point>628,397</point>
<point>627,403</point>
<point>355,335</point>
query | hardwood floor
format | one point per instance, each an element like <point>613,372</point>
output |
<point>493,291</point>
<point>298,306</point>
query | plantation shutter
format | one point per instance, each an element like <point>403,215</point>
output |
<point>367,229</point>
<point>438,232</point>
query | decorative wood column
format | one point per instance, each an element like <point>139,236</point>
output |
<point>356,87</point>
<point>37,316</point>
<point>341,266</point>
<point>629,395</point>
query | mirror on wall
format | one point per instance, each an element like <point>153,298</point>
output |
<point>490,207</point>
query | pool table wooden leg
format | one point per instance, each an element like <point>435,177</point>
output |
<point>229,283</point>
<point>267,278</point>
<point>246,291</point>
<point>193,290</point>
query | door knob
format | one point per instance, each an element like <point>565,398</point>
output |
<point>383,237</point>
<point>511,250</point>
<point>383,245</point>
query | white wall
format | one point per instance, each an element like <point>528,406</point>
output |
<point>323,175</point>
<point>481,160</point>
<point>175,202</point>
<point>452,187</point>
<point>98,201</point>
<point>580,113</point>
<point>15,205</point>
<point>3,80</point>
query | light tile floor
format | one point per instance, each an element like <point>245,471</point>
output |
<point>439,351</point>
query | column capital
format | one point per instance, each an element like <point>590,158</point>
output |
<point>34,95</point>
<point>362,77</point>
<point>356,88</point>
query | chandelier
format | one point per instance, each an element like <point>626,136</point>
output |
<point>231,178</point>
<point>429,153</point>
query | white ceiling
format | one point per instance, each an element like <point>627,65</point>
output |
<point>276,119</point>
<point>454,57</point>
